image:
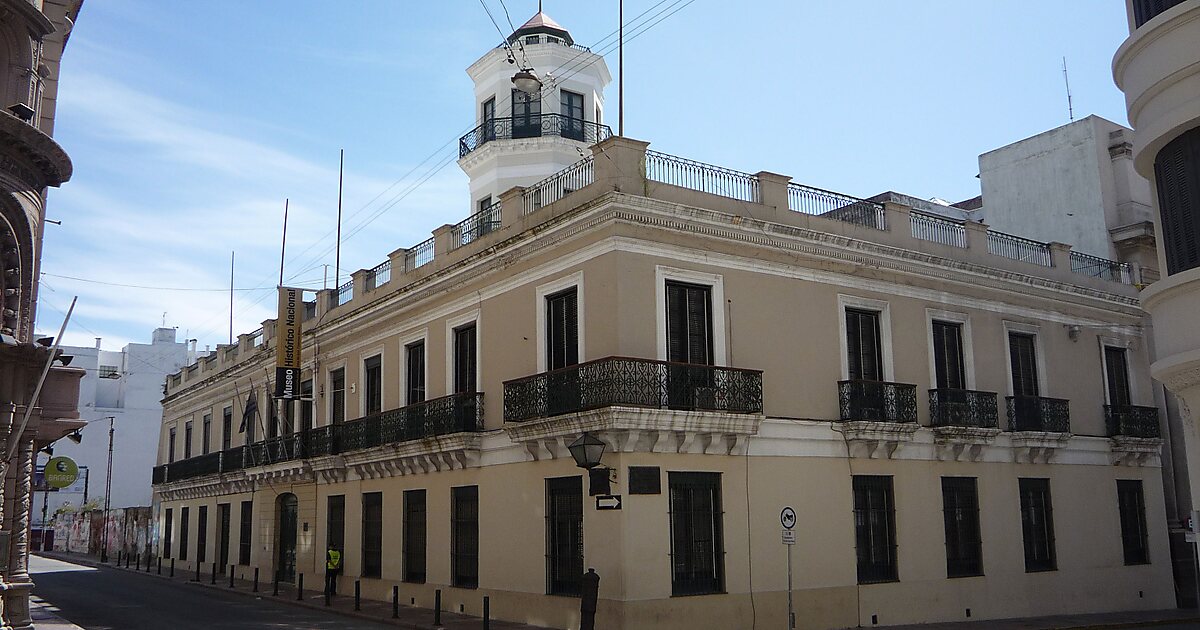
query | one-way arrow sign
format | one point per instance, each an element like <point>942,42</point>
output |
<point>608,502</point>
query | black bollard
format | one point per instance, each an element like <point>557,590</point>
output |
<point>231,576</point>
<point>395,602</point>
<point>160,566</point>
<point>328,591</point>
<point>126,561</point>
<point>172,568</point>
<point>487,613</point>
<point>275,586</point>
<point>118,558</point>
<point>437,607</point>
<point>300,587</point>
<point>138,566</point>
<point>214,574</point>
<point>357,600</point>
<point>197,571</point>
<point>255,579</point>
<point>587,600</point>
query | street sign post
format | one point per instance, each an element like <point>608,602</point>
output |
<point>787,518</point>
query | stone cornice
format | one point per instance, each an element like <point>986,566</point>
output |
<point>53,164</point>
<point>38,24</point>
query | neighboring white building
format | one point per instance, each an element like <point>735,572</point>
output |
<point>127,385</point>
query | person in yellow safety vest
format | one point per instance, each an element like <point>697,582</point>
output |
<point>333,566</point>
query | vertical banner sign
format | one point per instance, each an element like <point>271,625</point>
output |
<point>287,346</point>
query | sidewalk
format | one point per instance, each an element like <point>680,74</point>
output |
<point>377,611</point>
<point>42,613</point>
<point>1100,621</point>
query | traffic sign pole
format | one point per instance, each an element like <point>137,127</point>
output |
<point>791,614</point>
<point>787,518</point>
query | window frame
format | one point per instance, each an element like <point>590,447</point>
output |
<point>227,428</point>
<point>246,533</point>
<point>420,336</point>
<point>339,541</point>
<point>542,293</point>
<point>184,513</point>
<point>1039,352</point>
<point>329,379</point>
<point>171,444</point>
<point>201,533</point>
<point>189,433</point>
<point>409,554</point>
<point>1133,555</point>
<point>1033,564</point>
<point>452,325</point>
<point>206,434</point>
<point>881,307</point>
<point>716,283</point>
<point>168,532</point>
<point>968,353</point>
<point>560,579</point>
<point>697,480</point>
<point>959,567</point>
<point>1117,343</point>
<point>459,526</point>
<point>365,395</point>
<point>889,571</point>
<point>371,541</point>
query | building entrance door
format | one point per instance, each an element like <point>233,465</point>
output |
<point>286,545</point>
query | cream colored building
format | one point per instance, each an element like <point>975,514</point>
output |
<point>964,426</point>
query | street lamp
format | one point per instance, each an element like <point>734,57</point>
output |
<point>527,81</point>
<point>587,450</point>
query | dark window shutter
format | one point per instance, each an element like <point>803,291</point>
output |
<point>562,330</point>
<point>1118,376</point>
<point>948,355</point>
<point>1024,364</point>
<point>689,324</point>
<point>1177,175</point>
<point>863,345</point>
<point>464,359</point>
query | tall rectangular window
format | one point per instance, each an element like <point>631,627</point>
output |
<point>1132,505</point>
<point>1023,357</point>
<point>183,533</point>
<point>227,429</point>
<point>697,539</point>
<point>1177,179</point>
<point>960,510</point>
<point>337,396</point>
<point>306,405</point>
<point>488,114</point>
<point>864,345</point>
<point>372,534</point>
<point>526,115</point>
<point>171,446</point>
<point>1037,525</point>
<point>689,323</point>
<point>414,372</point>
<point>168,531</point>
<point>335,522</point>
<point>1118,376</point>
<point>464,536</point>
<point>244,532</point>
<point>464,359</point>
<point>875,529</point>
<point>562,330</point>
<point>564,535</point>
<point>949,367</point>
<point>224,513</point>
<point>273,419</point>
<point>373,385</point>
<point>202,534</point>
<point>414,536</point>
<point>206,436</point>
<point>572,111</point>
<point>187,439</point>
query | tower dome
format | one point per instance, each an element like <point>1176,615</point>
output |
<point>521,138</point>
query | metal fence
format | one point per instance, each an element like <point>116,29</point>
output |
<point>928,227</point>
<point>379,275</point>
<point>1132,421</point>
<point>1035,413</point>
<point>877,401</point>
<point>963,408</point>
<point>716,180</point>
<point>635,383</point>
<point>832,205</point>
<point>1017,248</point>
<point>558,185</point>
<point>257,338</point>
<point>1096,267</point>
<point>532,126</point>
<point>345,293</point>
<point>483,222</point>
<point>419,254</point>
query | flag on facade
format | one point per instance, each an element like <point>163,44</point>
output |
<point>248,414</point>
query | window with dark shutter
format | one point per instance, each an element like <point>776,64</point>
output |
<point>689,324</point>
<point>373,385</point>
<point>1145,10</point>
<point>1177,177</point>
<point>960,511</point>
<point>1118,376</point>
<point>414,372</point>
<point>464,359</point>
<point>244,533</point>
<point>1132,505</point>
<point>202,534</point>
<point>697,538</point>
<point>187,439</point>
<point>464,535</point>
<point>306,405</point>
<point>227,428</point>
<point>224,515</point>
<point>168,530</point>
<point>948,356</point>
<point>414,536</point>
<point>206,437</point>
<point>875,529</point>
<point>1023,356</point>
<point>372,534</point>
<point>337,398</point>
<point>171,446</point>
<point>1037,525</point>
<point>335,522</point>
<point>864,348</point>
<point>562,330</point>
<point>564,535</point>
<point>183,533</point>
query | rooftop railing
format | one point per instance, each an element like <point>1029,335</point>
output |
<point>558,185</point>
<point>419,255</point>
<point>928,227</point>
<point>1018,248</point>
<point>716,180</point>
<point>1096,267</point>
<point>379,275</point>
<point>832,205</point>
<point>532,126</point>
<point>483,222</point>
<point>345,293</point>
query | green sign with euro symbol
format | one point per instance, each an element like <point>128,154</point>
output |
<point>61,472</point>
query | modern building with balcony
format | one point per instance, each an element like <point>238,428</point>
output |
<point>33,35</point>
<point>963,419</point>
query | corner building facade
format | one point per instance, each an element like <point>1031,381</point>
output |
<point>963,422</point>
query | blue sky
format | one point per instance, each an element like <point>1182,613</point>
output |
<point>189,123</point>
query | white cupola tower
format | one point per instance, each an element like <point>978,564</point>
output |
<point>521,138</point>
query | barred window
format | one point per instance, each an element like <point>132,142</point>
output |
<point>224,511</point>
<point>335,522</point>
<point>372,534</point>
<point>414,536</point>
<point>875,529</point>
<point>697,545</point>
<point>168,530</point>
<point>464,532</point>
<point>960,510</point>
<point>202,534</point>
<point>183,533</point>
<point>1132,505</point>
<point>1037,525</point>
<point>564,535</point>
<point>247,524</point>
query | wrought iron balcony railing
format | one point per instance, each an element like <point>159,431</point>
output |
<point>457,413</point>
<point>623,381</point>
<point>532,126</point>
<point>963,408</point>
<point>877,401</point>
<point>1132,421</point>
<point>1035,413</point>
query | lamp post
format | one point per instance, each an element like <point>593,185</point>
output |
<point>107,492</point>
<point>587,451</point>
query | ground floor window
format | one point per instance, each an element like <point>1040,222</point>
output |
<point>372,534</point>
<point>1133,521</point>
<point>464,534</point>
<point>168,530</point>
<point>183,533</point>
<point>697,546</point>
<point>414,536</point>
<point>960,510</point>
<point>1037,525</point>
<point>247,523</point>
<point>564,535</point>
<point>202,534</point>
<point>875,529</point>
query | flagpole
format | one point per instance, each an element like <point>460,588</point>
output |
<point>231,255</point>
<point>283,247</point>
<point>337,258</point>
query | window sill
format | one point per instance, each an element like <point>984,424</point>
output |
<point>964,576</point>
<point>1140,563</point>
<point>722,592</point>
<point>873,582</point>
<point>1041,570</point>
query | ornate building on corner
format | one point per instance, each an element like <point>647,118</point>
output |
<point>33,35</point>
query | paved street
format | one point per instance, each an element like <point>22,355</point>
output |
<point>98,599</point>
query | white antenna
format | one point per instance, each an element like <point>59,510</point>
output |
<point>1070,107</point>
